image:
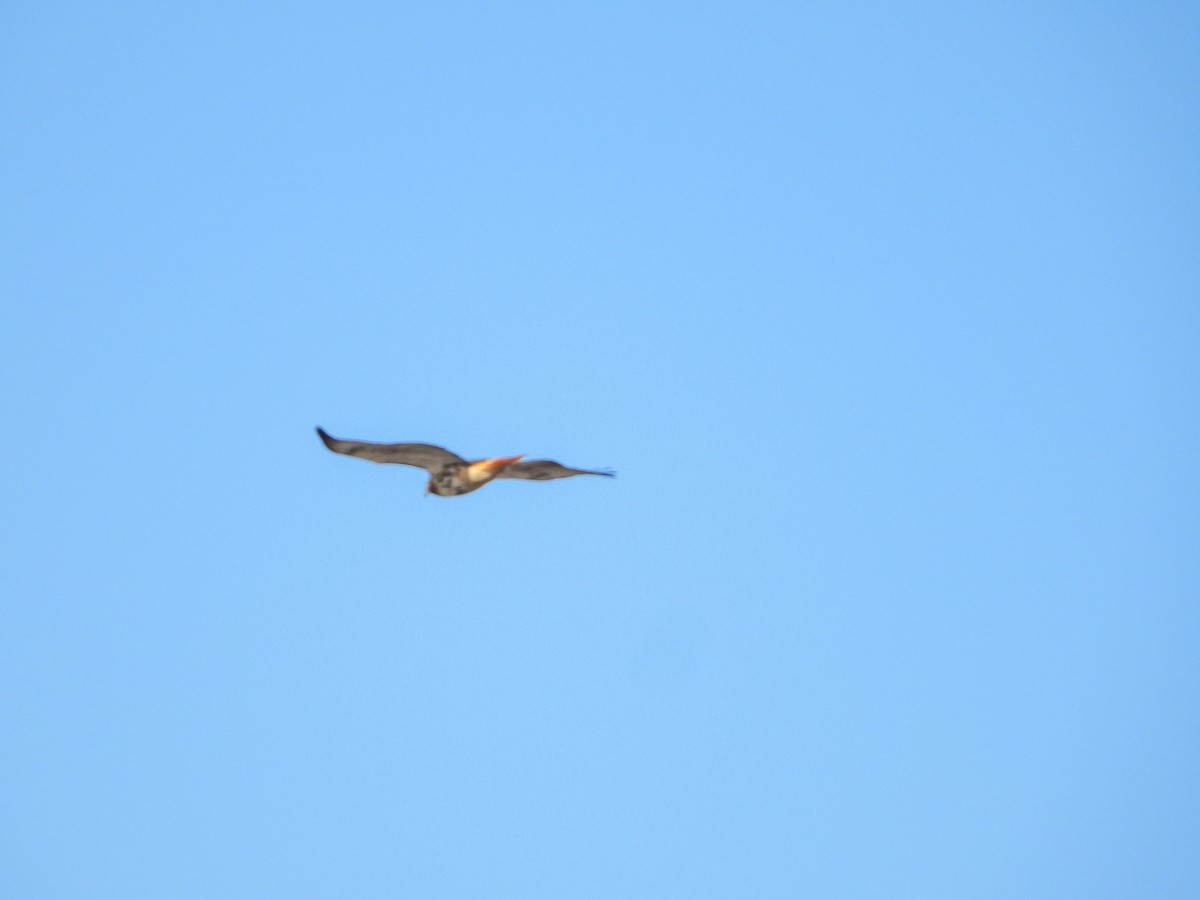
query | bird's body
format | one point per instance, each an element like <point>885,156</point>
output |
<point>454,479</point>
<point>449,474</point>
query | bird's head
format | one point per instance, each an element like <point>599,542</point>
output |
<point>444,484</point>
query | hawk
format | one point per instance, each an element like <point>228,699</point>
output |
<point>449,474</point>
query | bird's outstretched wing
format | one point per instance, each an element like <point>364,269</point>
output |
<point>423,456</point>
<point>544,470</point>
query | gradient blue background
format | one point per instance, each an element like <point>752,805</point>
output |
<point>886,314</point>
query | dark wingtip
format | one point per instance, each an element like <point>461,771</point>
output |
<point>325,438</point>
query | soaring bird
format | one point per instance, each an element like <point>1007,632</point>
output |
<point>449,474</point>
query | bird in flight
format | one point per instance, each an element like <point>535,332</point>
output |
<point>449,474</point>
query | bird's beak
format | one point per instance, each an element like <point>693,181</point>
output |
<point>493,465</point>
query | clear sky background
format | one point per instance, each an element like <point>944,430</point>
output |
<point>886,314</point>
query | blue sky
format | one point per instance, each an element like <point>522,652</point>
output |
<point>885,314</point>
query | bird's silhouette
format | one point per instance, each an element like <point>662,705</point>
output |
<point>449,474</point>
